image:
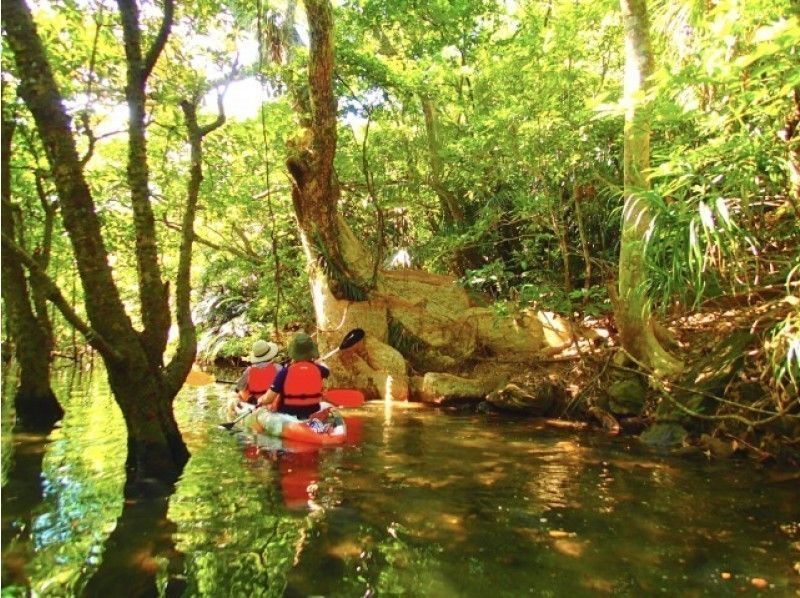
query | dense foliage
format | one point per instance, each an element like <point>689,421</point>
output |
<point>476,137</point>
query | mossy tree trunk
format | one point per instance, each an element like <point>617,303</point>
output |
<point>633,313</point>
<point>35,403</point>
<point>143,386</point>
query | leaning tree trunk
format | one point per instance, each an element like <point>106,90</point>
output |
<point>409,315</point>
<point>633,314</point>
<point>35,403</point>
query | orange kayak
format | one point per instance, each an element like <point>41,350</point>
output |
<point>288,427</point>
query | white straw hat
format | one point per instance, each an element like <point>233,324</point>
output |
<point>262,351</point>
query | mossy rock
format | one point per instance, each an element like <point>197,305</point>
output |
<point>664,435</point>
<point>537,403</point>
<point>626,396</point>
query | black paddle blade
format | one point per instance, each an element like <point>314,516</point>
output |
<point>227,425</point>
<point>351,338</point>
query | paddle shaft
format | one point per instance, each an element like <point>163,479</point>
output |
<point>229,425</point>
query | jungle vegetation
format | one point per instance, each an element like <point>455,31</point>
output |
<point>173,172</point>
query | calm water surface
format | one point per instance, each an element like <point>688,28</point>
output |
<point>421,503</point>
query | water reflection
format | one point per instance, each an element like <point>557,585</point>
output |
<point>22,495</point>
<point>139,557</point>
<point>418,503</point>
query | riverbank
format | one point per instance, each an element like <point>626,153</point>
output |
<point>732,399</point>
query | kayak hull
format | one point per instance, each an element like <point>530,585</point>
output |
<point>288,427</point>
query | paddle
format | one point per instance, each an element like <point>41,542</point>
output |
<point>229,425</point>
<point>350,339</point>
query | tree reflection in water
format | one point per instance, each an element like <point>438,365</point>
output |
<point>139,553</point>
<point>22,494</point>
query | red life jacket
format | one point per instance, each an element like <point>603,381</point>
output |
<point>260,379</point>
<point>303,385</point>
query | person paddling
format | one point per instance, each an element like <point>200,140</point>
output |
<point>259,376</point>
<point>297,389</point>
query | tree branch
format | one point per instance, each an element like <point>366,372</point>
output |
<point>181,362</point>
<point>39,90</point>
<point>54,295</point>
<point>252,258</point>
<point>153,292</point>
<point>160,40</point>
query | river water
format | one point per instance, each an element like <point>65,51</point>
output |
<point>421,503</point>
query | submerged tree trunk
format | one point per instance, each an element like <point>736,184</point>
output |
<point>35,403</point>
<point>633,313</point>
<point>143,387</point>
<point>425,318</point>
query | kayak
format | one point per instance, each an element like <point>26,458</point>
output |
<point>332,431</point>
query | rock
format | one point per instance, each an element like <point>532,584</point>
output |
<point>485,407</point>
<point>664,435</point>
<point>716,447</point>
<point>608,421</point>
<point>626,396</point>
<point>440,389</point>
<point>557,331</point>
<point>520,337</point>
<point>516,400</point>
<point>372,367</point>
<point>445,333</point>
<point>433,360</point>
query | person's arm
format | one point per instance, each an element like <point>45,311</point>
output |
<point>241,383</point>
<point>269,400</point>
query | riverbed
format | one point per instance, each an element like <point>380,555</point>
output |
<point>420,502</point>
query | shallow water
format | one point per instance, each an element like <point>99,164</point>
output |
<point>422,503</point>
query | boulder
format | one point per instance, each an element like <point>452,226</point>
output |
<point>374,368</point>
<point>519,337</point>
<point>626,396</point>
<point>444,333</point>
<point>514,399</point>
<point>664,435</point>
<point>441,389</point>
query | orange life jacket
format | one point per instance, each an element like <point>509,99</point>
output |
<point>303,385</point>
<point>260,379</point>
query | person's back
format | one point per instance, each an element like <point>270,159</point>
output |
<point>260,375</point>
<point>297,389</point>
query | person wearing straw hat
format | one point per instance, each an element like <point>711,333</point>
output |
<point>297,389</point>
<point>260,374</point>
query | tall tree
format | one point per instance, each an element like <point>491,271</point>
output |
<point>143,386</point>
<point>430,310</point>
<point>35,403</point>
<point>633,314</point>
